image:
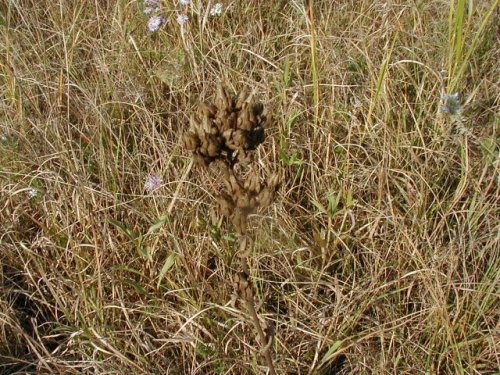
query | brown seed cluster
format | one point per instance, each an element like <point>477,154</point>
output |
<point>245,198</point>
<point>228,130</point>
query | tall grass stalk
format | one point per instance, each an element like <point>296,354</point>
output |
<point>457,59</point>
<point>314,63</point>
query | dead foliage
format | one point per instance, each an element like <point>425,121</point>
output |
<point>229,132</point>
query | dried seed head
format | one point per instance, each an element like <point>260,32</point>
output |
<point>246,197</point>
<point>227,131</point>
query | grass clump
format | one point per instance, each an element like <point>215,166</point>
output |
<point>379,253</point>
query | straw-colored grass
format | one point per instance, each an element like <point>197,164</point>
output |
<point>380,254</point>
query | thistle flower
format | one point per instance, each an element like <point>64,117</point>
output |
<point>155,22</point>
<point>451,103</point>
<point>181,19</point>
<point>152,183</point>
<point>216,10</point>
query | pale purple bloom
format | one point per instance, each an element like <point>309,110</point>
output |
<point>152,183</point>
<point>155,22</point>
<point>149,10</point>
<point>181,19</point>
<point>216,10</point>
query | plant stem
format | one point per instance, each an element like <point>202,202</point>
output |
<point>247,294</point>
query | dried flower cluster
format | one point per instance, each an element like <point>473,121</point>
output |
<point>229,132</point>
<point>245,198</point>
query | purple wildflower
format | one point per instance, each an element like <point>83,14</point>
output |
<point>152,183</point>
<point>181,19</point>
<point>155,22</point>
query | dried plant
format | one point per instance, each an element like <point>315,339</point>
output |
<point>228,133</point>
<point>244,199</point>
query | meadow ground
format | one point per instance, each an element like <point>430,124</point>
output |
<point>380,253</point>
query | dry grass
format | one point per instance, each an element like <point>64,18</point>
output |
<point>380,254</point>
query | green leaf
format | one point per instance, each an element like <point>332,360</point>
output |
<point>153,228</point>
<point>488,148</point>
<point>230,238</point>
<point>138,287</point>
<point>319,206</point>
<point>166,266</point>
<point>127,269</point>
<point>333,349</point>
<point>349,199</point>
<point>146,252</point>
<point>130,234</point>
<point>215,232</point>
<point>333,202</point>
<point>291,121</point>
